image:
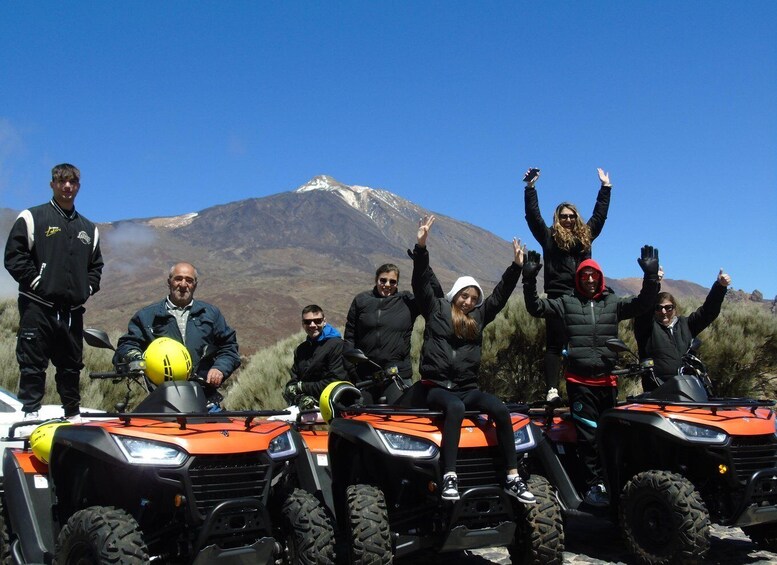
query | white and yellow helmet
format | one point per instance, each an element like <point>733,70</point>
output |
<point>336,397</point>
<point>42,438</point>
<point>167,360</point>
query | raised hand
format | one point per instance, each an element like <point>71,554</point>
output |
<point>424,225</point>
<point>604,177</point>
<point>519,252</point>
<point>648,260</point>
<point>531,265</point>
<point>723,278</point>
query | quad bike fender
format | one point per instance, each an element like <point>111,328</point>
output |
<point>28,499</point>
<point>312,471</point>
<point>555,472</point>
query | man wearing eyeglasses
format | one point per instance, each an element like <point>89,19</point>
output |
<point>318,360</point>
<point>664,336</point>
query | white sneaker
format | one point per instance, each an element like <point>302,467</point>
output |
<point>75,419</point>
<point>450,488</point>
<point>552,395</point>
<point>25,431</point>
<point>517,488</point>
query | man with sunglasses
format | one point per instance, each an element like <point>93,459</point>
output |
<point>318,360</point>
<point>380,323</point>
<point>664,336</point>
<point>590,317</point>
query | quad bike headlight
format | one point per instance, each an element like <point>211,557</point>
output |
<point>408,446</point>
<point>282,447</point>
<point>699,434</point>
<point>145,452</point>
<point>524,439</point>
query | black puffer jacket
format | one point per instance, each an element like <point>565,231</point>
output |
<point>55,257</point>
<point>560,265</point>
<point>590,322</point>
<point>318,363</point>
<point>666,347</point>
<point>381,326</point>
<point>446,359</point>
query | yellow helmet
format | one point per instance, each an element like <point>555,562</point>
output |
<point>42,437</point>
<point>336,397</point>
<point>167,360</point>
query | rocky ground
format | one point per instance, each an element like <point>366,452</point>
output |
<point>598,541</point>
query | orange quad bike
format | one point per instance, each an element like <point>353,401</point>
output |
<point>676,459</point>
<point>384,466</point>
<point>167,482</point>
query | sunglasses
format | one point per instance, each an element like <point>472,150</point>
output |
<point>667,307</point>
<point>594,275</point>
<point>567,216</point>
<point>317,321</point>
<point>390,282</point>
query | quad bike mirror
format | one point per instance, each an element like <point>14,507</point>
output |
<point>617,346</point>
<point>97,338</point>
<point>357,357</point>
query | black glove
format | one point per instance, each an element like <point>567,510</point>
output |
<point>133,355</point>
<point>531,265</point>
<point>292,390</point>
<point>648,261</point>
<point>307,402</point>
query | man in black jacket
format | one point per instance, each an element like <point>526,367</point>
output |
<point>590,318</point>
<point>665,337</point>
<point>53,252</point>
<point>318,360</point>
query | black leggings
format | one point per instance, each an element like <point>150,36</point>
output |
<point>453,404</point>
<point>555,340</point>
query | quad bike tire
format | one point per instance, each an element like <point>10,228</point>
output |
<point>539,537</point>
<point>664,519</point>
<point>101,534</point>
<point>311,536</point>
<point>5,536</point>
<point>368,526</point>
<point>763,535</point>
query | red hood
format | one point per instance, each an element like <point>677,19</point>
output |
<point>594,265</point>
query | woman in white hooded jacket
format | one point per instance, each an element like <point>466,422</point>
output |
<point>450,359</point>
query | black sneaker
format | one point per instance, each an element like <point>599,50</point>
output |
<point>517,488</point>
<point>597,496</point>
<point>450,488</point>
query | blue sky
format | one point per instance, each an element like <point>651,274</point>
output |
<point>171,107</point>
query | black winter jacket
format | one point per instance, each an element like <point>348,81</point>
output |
<point>54,257</point>
<point>381,326</point>
<point>560,265</point>
<point>446,359</point>
<point>666,347</point>
<point>318,363</point>
<point>590,322</point>
<point>210,341</point>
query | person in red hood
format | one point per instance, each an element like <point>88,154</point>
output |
<point>590,317</point>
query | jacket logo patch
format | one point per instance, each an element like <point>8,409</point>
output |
<point>52,230</point>
<point>84,237</point>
